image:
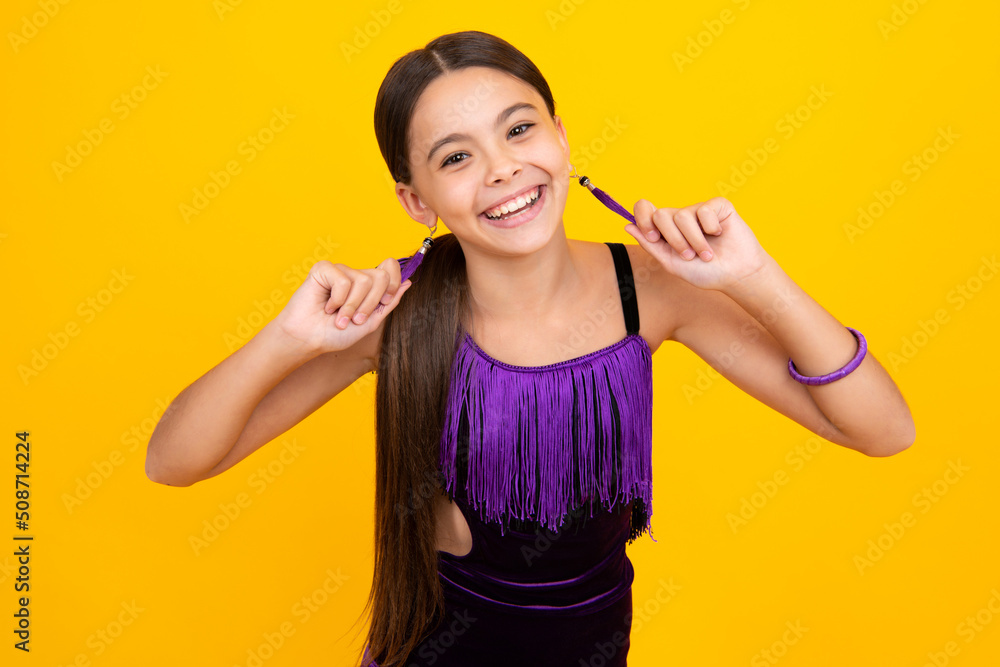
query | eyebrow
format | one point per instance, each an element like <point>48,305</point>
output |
<point>501,117</point>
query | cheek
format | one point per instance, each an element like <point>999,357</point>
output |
<point>460,195</point>
<point>555,157</point>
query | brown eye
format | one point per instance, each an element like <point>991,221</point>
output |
<point>522,125</point>
<point>449,160</point>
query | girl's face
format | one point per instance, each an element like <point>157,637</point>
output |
<point>487,158</point>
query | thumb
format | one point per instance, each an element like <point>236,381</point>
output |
<point>636,233</point>
<point>383,309</point>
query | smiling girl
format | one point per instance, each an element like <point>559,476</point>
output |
<point>513,454</point>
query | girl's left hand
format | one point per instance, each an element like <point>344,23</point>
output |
<point>680,244</point>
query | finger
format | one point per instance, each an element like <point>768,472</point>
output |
<point>643,213</point>
<point>361,284</point>
<point>664,220</point>
<point>687,221</point>
<point>660,250</point>
<point>723,209</point>
<point>380,279</point>
<point>385,308</point>
<point>391,265</point>
<point>333,281</point>
<point>403,288</point>
<point>709,219</point>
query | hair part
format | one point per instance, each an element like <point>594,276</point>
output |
<point>411,74</point>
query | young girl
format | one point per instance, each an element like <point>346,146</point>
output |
<point>513,403</point>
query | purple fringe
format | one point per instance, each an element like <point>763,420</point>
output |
<point>521,423</point>
<point>612,204</point>
<point>502,472</point>
<point>408,265</point>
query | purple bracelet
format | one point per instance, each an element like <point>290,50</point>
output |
<point>839,373</point>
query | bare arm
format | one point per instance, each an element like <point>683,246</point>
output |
<point>744,315</point>
<point>251,397</point>
<point>863,411</point>
<point>295,364</point>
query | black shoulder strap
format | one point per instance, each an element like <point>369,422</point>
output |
<point>626,286</point>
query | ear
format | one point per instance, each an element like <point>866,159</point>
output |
<point>563,141</point>
<point>414,205</point>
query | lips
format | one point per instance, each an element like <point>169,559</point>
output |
<point>521,216</point>
<point>512,197</point>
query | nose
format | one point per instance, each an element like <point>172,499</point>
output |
<point>504,165</point>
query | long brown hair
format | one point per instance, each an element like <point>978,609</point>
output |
<point>417,349</point>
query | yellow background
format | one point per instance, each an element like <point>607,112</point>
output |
<point>112,555</point>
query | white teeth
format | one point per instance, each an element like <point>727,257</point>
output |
<point>513,205</point>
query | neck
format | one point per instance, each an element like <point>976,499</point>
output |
<point>523,290</point>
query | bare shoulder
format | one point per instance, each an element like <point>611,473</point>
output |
<point>659,294</point>
<point>665,301</point>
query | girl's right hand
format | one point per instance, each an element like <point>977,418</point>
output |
<point>335,306</point>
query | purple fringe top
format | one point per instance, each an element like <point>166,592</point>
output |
<point>545,440</point>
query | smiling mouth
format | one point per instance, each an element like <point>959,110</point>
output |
<point>515,206</point>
